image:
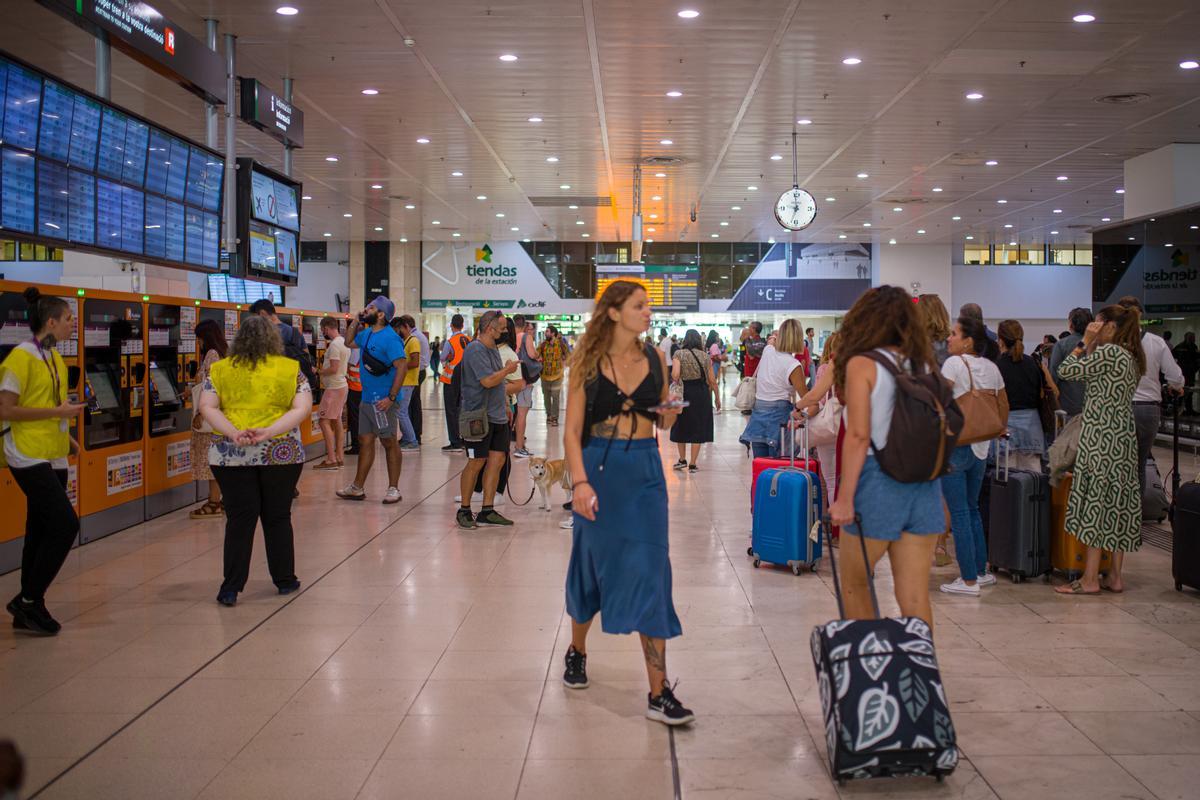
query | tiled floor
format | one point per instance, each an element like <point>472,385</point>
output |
<point>423,662</point>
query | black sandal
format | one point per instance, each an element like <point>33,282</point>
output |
<point>680,464</point>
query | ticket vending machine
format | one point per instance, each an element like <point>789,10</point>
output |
<point>309,324</point>
<point>113,465</point>
<point>170,350</point>
<point>14,329</point>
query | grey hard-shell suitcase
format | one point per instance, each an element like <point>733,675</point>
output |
<point>1019,524</point>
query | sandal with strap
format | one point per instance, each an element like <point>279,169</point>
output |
<point>209,510</point>
<point>1075,587</point>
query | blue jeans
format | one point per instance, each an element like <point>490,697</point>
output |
<point>961,490</point>
<point>408,434</point>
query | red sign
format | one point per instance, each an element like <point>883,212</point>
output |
<point>169,40</point>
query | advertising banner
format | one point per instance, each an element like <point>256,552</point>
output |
<point>124,472</point>
<point>806,277</point>
<point>179,458</point>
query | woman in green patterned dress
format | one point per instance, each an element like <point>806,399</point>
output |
<point>1105,507</point>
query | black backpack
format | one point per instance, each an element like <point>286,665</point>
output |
<point>295,348</point>
<point>926,422</point>
<point>592,389</point>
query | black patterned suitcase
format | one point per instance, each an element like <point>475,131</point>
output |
<point>881,692</point>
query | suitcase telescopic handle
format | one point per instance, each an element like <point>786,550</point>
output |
<point>827,524</point>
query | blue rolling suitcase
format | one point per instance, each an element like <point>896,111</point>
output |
<point>786,507</point>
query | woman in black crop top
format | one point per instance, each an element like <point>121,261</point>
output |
<point>620,566</point>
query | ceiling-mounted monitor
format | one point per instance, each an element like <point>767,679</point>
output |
<point>80,173</point>
<point>268,206</point>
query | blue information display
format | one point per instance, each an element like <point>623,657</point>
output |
<point>75,169</point>
<point>228,289</point>
<point>268,223</point>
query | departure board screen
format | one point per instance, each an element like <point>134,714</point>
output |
<point>228,289</point>
<point>268,224</point>
<point>670,287</point>
<point>77,170</point>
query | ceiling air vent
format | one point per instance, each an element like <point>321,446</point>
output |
<point>1079,227</point>
<point>905,201</point>
<point>562,202</point>
<point>1127,99</point>
<point>662,161</point>
<point>403,198</point>
<point>971,159</point>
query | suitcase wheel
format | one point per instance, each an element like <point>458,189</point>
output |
<point>1178,586</point>
<point>813,566</point>
<point>756,563</point>
<point>750,550</point>
<point>1017,578</point>
<point>795,569</point>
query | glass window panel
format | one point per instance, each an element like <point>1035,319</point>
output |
<point>577,281</point>
<point>1083,255</point>
<point>745,253</point>
<point>1033,255</point>
<point>26,251</point>
<point>716,254</point>
<point>1005,254</point>
<point>977,254</point>
<point>658,253</point>
<point>687,253</point>
<point>716,281</point>
<point>1062,254</point>
<point>741,273</point>
<point>8,250</point>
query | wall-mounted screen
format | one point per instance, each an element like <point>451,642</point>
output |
<point>80,172</point>
<point>228,289</point>
<point>268,224</point>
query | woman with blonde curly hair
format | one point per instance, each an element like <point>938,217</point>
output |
<point>936,321</point>
<point>620,566</point>
<point>255,401</point>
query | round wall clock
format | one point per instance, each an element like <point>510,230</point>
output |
<point>796,209</point>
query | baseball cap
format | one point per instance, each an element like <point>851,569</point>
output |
<point>383,304</point>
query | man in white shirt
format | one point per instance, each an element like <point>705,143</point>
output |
<point>665,344</point>
<point>333,398</point>
<point>1147,398</point>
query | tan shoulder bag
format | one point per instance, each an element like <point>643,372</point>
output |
<point>985,411</point>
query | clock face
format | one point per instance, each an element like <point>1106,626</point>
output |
<point>796,209</point>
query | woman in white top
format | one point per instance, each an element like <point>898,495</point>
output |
<point>900,519</point>
<point>966,366</point>
<point>779,374</point>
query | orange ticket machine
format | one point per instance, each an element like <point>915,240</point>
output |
<point>116,380</point>
<point>14,329</point>
<point>309,323</point>
<point>171,355</point>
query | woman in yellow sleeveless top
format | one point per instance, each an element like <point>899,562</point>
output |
<point>255,401</point>
<point>35,413</point>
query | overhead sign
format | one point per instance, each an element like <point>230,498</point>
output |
<point>271,114</point>
<point>142,32</point>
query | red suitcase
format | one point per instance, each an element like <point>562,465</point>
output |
<point>787,441</point>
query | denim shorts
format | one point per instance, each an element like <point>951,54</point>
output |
<point>889,508</point>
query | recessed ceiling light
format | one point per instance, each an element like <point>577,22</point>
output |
<point>841,236</point>
<point>376,185</point>
<point>751,188</point>
<point>370,92</point>
<point>404,240</point>
<point>1189,64</point>
<point>724,224</point>
<point>514,228</point>
<point>866,224</point>
<point>852,61</point>
<point>862,175</point>
<point>499,215</point>
<point>1062,178</point>
<point>654,216</point>
<point>674,93</point>
<point>937,188</point>
<point>435,222</point>
<point>897,208</point>
<point>1056,211</point>
<point>660,174</point>
<point>564,186</point>
<point>776,157</point>
<point>508,57</point>
<point>1168,244</point>
<point>481,197</point>
<point>991,163</point>
<point>578,222</point>
<point>306,197</point>
<point>287,11</point>
<point>1054,233</point>
<point>1012,244</point>
<point>689,13</point>
<point>804,121</point>
<point>771,240</point>
<point>665,141</point>
<point>1120,191</point>
<point>956,219</point>
<point>1194,227</point>
<point>422,140</point>
<point>327,234</point>
<point>648,241</point>
<point>410,206</point>
<point>586,235</point>
<point>552,160</point>
<point>1002,202</point>
<point>735,208</point>
<point>715,235</point>
<point>974,96</point>
<point>331,158</point>
<point>1132,238</point>
<point>651,230</point>
<point>1084,17</point>
<point>456,174</point>
<point>969,238</point>
<point>830,199</point>
<point>1008,225</point>
<point>456,234</point>
<point>891,241</point>
<point>377,228</point>
<point>347,216</point>
<point>656,197</point>
<point>535,120</point>
<point>526,240</point>
<point>573,207</point>
<point>921,231</point>
<point>1106,219</point>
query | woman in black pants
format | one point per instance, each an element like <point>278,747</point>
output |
<point>36,411</point>
<point>255,401</point>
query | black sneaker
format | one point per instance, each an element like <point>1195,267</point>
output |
<point>466,520</point>
<point>32,617</point>
<point>287,587</point>
<point>668,710</point>
<point>453,448</point>
<point>491,516</point>
<point>680,464</point>
<point>568,506</point>
<point>575,676</point>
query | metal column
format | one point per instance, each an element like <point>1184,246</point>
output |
<point>230,148</point>
<point>103,66</point>
<point>210,110</point>
<point>287,149</point>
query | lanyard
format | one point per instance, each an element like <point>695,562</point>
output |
<point>52,367</point>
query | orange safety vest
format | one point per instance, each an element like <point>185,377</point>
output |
<point>458,344</point>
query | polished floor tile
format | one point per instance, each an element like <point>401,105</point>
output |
<point>422,662</point>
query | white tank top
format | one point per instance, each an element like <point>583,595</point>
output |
<point>883,400</point>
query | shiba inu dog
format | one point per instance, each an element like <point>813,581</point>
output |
<point>547,474</point>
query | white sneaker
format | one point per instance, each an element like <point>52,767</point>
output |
<point>958,586</point>
<point>568,523</point>
<point>986,579</point>
<point>392,496</point>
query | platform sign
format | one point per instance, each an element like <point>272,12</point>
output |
<point>270,113</point>
<point>145,34</point>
